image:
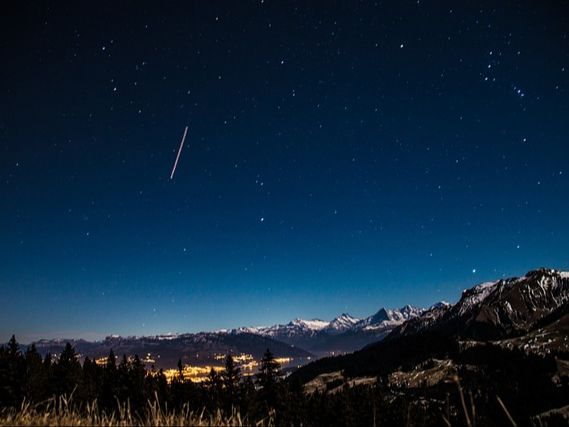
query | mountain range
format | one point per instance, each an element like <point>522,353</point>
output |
<point>504,344</point>
<point>164,351</point>
<point>344,333</point>
<point>504,310</point>
<point>528,314</point>
<point>299,339</point>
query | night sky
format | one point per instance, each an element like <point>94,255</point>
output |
<point>341,157</point>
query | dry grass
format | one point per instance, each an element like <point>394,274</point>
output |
<point>63,411</point>
<point>469,411</point>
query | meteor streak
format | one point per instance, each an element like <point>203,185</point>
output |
<point>179,152</point>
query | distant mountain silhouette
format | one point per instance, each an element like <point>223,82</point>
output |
<point>165,350</point>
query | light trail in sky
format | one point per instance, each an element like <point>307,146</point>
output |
<point>179,152</point>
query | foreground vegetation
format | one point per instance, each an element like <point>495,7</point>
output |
<point>64,411</point>
<point>36,391</point>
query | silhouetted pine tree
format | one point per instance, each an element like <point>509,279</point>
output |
<point>108,392</point>
<point>156,385</point>
<point>12,372</point>
<point>48,370</point>
<point>36,379</point>
<point>4,387</point>
<point>67,372</point>
<point>214,387</point>
<point>137,375</point>
<point>162,386</point>
<point>123,387</point>
<point>180,370</point>
<point>92,380</point>
<point>248,396</point>
<point>268,379</point>
<point>177,387</point>
<point>230,378</point>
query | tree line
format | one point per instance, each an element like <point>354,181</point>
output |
<point>26,376</point>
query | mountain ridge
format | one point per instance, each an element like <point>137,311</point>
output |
<point>342,334</point>
<point>508,314</point>
<point>489,310</point>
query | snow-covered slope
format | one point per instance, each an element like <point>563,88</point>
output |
<point>383,319</point>
<point>474,296</point>
<point>423,321</point>
<point>291,329</point>
<point>528,313</point>
<point>493,310</point>
<point>388,319</point>
<point>341,334</point>
<point>512,305</point>
<point>344,322</point>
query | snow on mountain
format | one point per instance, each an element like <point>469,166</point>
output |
<point>383,315</point>
<point>542,289</point>
<point>382,321</point>
<point>293,328</point>
<point>167,337</point>
<point>440,304</point>
<point>410,311</point>
<point>386,319</point>
<point>246,329</point>
<point>342,323</point>
<point>474,296</point>
<point>493,310</point>
<point>424,320</point>
<point>526,314</point>
<point>313,325</point>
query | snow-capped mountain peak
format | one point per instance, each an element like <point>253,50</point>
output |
<point>379,323</point>
<point>474,296</point>
<point>342,323</point>
<point>510,305</point>
<point>386,318</point>
<point>313,324</point>
<point>440,304</point>
<point>343,333</point>
<point>409,311</point>
<point>382,315</point>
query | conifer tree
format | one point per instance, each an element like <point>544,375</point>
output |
<point>180,371</point>
<point>108,392</point>
<point>123,387</point>
<point>13,350</point>
<point>35,385</point>
<point>137,375</point>
<point>12,372</point>
<point>162,386</point>
<point>48,370</point>
<point>67,371</point>
<point>3,377</point>
<point>248,395</point>
<point>230,378</point>
<point>214,386</point>
<point>268,379</point>
<point>92,380</point>
<point>111,361</point>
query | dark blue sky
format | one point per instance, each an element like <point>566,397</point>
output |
<point>341,156</point>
